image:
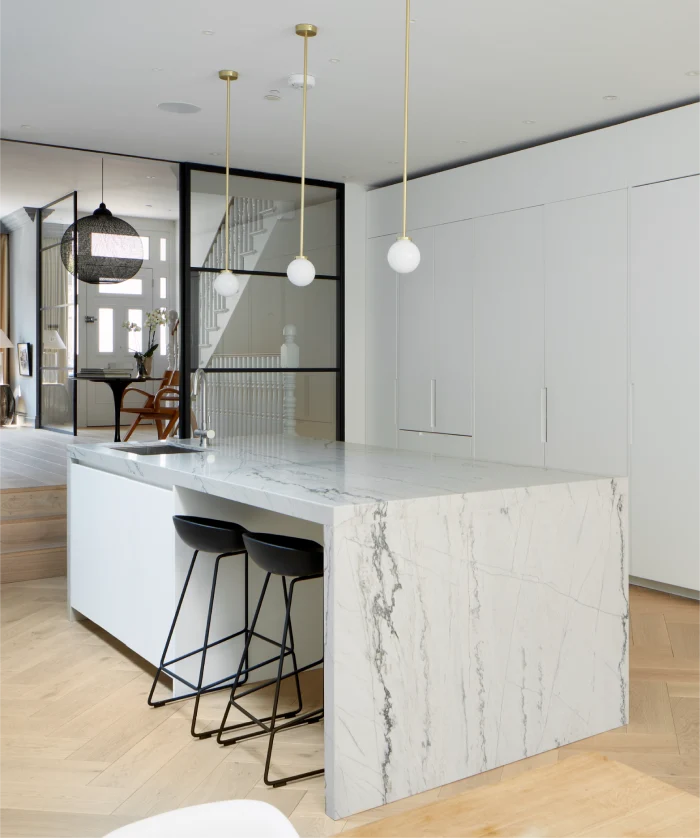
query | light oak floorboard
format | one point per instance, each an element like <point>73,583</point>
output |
<point>82,753</point>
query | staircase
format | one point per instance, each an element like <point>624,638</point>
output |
<point>251,223</point>
<point>32,533</point>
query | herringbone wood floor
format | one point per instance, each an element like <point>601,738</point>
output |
<point>82,754</point>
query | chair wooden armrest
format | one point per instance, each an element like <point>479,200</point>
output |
<point>149,396</point>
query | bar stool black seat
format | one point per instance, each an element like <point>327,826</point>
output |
<point>301,560</point>
<point>224,538</point>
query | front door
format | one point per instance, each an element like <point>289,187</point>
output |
<point>106,344</point>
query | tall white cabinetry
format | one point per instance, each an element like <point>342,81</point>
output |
<point>665,382</point>
<point>509,337</point>
<point>435,333</point>
<point>585,258</point>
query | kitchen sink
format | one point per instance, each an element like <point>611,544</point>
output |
<point>154,450</point>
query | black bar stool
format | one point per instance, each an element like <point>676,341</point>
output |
<point>226,539</point>
<point>301,560</point>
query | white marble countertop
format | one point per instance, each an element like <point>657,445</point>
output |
<point>313,479</point>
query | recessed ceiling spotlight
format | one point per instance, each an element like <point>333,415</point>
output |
<point>393,162</point>
<point>528,121</point>
<point>25,126</point>
<point>207,31</point>
<point>273,96</point>
<point>337,61</point>
<point>150,177</point>
<point>693,73</point>
<point>463,142</point>
<point>156,69</point>
<point>610,98</point>
<point>178,107</point>
<point>149,205</point>
<point>215,154</point>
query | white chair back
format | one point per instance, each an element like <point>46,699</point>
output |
<point>224,819</point>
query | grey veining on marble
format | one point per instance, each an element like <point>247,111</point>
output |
<point>468,632</point>
<point>315,479</point>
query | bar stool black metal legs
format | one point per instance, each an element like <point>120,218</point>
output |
<point>303,561</point>
<point>224,538</point>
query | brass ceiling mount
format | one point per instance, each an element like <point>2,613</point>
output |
<point>306,30</point>
<point>228,75</point>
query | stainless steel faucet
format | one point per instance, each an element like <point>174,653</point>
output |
<point>200,386</point>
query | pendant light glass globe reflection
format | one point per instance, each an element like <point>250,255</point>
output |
<point>108,249</point>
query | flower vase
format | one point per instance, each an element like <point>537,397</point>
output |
<point>148,366</point>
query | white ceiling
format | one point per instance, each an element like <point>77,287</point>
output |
<point>80,73</point>
<point>32,176</point>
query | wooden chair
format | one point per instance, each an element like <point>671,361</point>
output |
<point>163,408</point>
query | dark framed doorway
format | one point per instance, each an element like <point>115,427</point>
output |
<point>262,200</point>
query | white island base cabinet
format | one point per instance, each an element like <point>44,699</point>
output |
<point>127,568</point>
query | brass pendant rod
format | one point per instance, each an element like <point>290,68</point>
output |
<point>303,147</point>
<point>228,144</point>
<point>405,117</point>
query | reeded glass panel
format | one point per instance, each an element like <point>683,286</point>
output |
<point>264,224</point>
<point>269,402</point>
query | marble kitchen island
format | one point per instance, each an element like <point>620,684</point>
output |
<point>474,613</point>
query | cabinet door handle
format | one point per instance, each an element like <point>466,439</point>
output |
<point>543,414</point>
<point>433,420</point>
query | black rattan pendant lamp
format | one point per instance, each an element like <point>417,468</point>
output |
<point>108,249</point>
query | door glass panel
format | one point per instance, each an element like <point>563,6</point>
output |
<point>105,327</point>
<point>57,303</point>
<point>164,288</point>
<point>135,315</point>
<point>163,250</point>
<point>146,242</point>
<point>134,287</point>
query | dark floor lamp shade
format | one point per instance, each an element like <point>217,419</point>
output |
<point>108,249</point>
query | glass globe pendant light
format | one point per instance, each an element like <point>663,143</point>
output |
<point>404,255</point>
<point>107,249</point>
<point>226,283</point>
<point>301,270</point>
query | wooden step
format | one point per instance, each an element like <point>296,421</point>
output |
<point>20,565</point>
<point>36,502</point>
<point>20,533</point>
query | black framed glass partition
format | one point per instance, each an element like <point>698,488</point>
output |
<point>273,352</point>
<point>56,341</point>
